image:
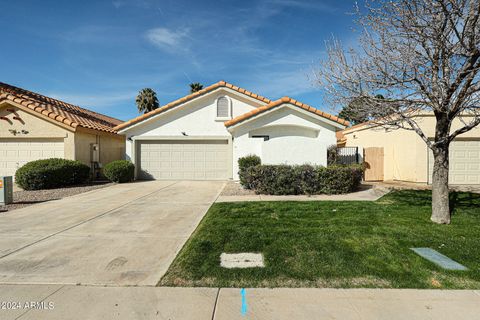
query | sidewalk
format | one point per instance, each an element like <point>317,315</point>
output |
<point>368,193</point>
<point>88,302</point>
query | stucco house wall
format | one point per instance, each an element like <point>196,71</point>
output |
<point>198,119</point>
<point>38,128</point>
<point>76,143</point>
<point>34,127</point>
<point>112,146</point>
<point>291,132</point>
<point>405,153</point>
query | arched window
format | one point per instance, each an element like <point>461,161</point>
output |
<point>223,107</point>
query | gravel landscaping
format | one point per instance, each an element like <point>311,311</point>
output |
<point>22,198</point>
<point>233,188</point>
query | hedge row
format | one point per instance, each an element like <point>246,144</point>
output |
<point>302,179</point>
<point>51,173</point>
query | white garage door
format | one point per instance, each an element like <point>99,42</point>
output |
<point>464,162</point>
<point>14,153</point>
<point>184,160</point>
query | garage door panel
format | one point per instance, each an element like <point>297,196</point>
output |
<point>464,162</point>
<point>17,152</point>
<point>184,160</point>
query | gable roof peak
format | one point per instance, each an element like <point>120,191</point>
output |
<point>282,101</point>
<point>180,101</point>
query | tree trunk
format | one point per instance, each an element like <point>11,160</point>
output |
<point>440,194</point>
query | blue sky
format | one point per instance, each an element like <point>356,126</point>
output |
<point>99,54</point>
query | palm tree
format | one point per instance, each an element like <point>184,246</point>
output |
<point>146,100</point>
<point>196,86</point>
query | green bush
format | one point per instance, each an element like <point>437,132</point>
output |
<point>51,173</point>
<point>119,171</point>
<point>244,163</point>
<point>303,179</point>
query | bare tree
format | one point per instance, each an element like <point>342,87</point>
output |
<point>423,57</point>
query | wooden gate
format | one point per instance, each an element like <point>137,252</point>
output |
<point>373,158</point>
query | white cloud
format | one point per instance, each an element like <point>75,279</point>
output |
<point>167,39</point>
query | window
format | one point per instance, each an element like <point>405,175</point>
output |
<point>223,107</point>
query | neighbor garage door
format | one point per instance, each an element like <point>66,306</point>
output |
<point>183,159</point>
<point>464,162</point>
<point>14,153</point>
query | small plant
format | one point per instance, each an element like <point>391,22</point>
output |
<point>243,164</point>
<point>332,155</point>
<point>51,173</point>
<point>119,171</point>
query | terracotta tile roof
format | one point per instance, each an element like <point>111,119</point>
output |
<point>66,113</point>
<point>279,102</point>
<point>189,97</point>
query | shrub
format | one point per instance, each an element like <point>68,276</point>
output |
<point>244,163</point>
<point>119,171</point>
<point>51,173</point>
<point>303,179</point>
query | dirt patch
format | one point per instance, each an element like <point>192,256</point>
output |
<point>233,188</point>
<point>23,198</point>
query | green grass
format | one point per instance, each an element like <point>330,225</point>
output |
<point>334,244</point>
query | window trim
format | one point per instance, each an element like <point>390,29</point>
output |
<point>217,118</point>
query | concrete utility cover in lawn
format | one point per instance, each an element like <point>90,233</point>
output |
<point>241,260</point>
<point>439,259</point>
<point>126,234</point>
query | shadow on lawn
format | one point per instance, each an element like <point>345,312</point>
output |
<point>458,200</point>
<point>464,200</point>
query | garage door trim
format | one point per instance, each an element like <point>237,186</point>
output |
<point>136,141</point>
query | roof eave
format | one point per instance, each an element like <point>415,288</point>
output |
<point>276,107</point>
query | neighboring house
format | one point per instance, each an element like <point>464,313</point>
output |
<point>202,135</point>
<point>406,156</point>
<point>33,126</point>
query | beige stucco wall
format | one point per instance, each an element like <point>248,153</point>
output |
<point>35,127</point>
<point>405,153</point>
<point>76,143</point>
<point>112,146</point>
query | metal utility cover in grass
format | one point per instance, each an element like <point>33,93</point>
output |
<point>439,259</point>
<point>241,260</point>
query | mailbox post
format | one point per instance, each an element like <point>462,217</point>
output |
<point>6,190</point>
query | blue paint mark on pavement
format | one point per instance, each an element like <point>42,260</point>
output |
<point>244,302</point>
<point>439,259</point>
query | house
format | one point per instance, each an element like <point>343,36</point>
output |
<point>402,155</point>
<point>33,126</point>
<point>202,135</point>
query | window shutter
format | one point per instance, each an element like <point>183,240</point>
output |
<point>222,108</point>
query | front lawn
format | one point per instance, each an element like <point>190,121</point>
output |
<point>333,244</point>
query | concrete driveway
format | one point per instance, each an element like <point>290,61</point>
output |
<point>126,234</point>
